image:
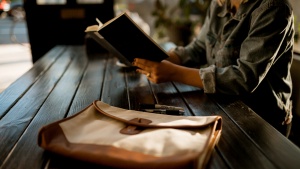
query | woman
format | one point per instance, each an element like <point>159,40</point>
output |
<point>247,47</point>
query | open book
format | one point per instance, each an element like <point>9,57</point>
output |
<point>122,37</point>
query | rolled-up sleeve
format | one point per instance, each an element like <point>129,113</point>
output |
<point>208,79</point>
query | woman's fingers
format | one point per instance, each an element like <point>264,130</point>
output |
<point>153,70</point>
<point>145,67</point>
<point>142,72</point>
<point>142,64</point>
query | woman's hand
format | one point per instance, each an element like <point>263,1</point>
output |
<point>156,72</point>
<point>165,71</point>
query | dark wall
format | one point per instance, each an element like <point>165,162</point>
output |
<point>50,25</point>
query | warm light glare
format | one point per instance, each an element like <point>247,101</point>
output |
<point>15,60</point>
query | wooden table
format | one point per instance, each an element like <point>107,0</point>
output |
<point>67,80</point>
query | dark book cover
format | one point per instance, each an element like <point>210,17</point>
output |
<point>125,39</point>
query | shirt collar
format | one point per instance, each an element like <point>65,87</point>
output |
<point>240,13</point>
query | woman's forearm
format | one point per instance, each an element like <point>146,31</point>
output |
<point>189,76</point>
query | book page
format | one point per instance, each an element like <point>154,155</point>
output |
<point>100,25</point>
<point>92,28</point>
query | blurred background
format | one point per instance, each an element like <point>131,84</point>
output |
<point>15,54</point>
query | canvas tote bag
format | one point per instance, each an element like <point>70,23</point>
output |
<point>120,138</point>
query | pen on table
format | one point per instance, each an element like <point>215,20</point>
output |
<point>164,111</point>
<point>159,106</point>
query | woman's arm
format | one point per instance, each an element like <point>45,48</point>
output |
<point>166,71</point>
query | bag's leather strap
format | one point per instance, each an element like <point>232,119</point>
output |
<point>131,130</point>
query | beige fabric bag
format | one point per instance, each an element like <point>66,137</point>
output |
<point>121,138</point>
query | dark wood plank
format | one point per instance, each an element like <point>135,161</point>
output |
<point>91,84</point>
<point>138,89</point>
<point>216,161</point>
<point>14,123</point>
<point>114,90</point>
<point>54,108</point>
<point>269,141</point>
<point>202,106</point>
<point>234,147</point>
<point>17,89</point>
